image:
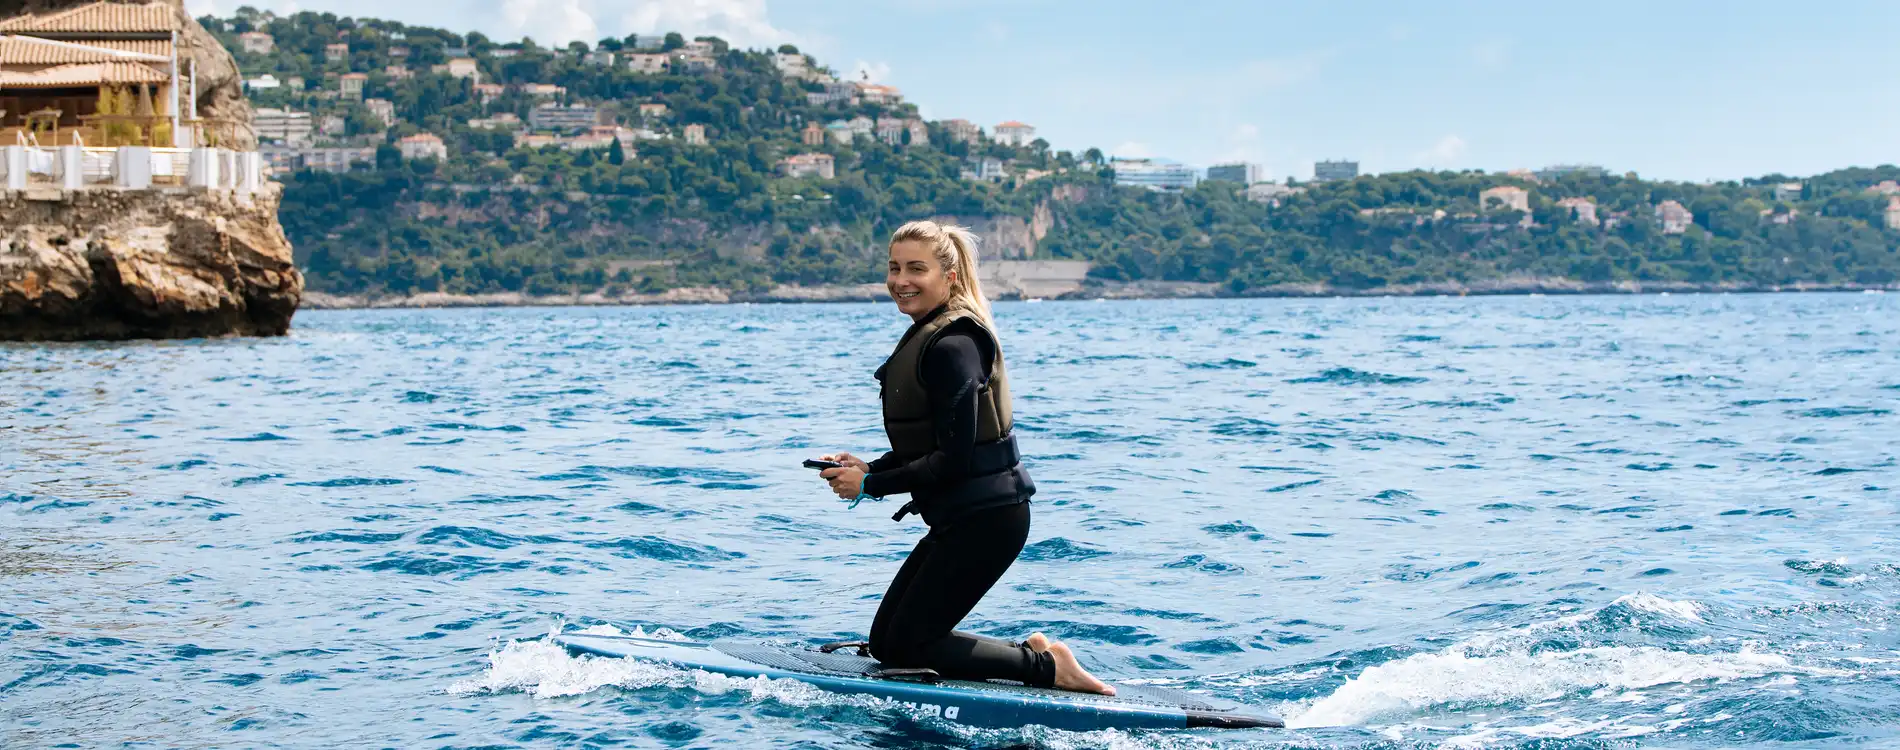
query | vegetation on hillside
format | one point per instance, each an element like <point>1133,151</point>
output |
<point>494,217</point>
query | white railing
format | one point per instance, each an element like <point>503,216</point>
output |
<point>129,167</point>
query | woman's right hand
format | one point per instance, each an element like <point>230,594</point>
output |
<point>847,459</point>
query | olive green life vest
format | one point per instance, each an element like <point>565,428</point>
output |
<point>907,402</point>
<point>996,473</point>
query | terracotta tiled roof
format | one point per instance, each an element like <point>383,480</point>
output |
<point>1012,124</point>
<point>156,47</point>
<point>101,16</point>
<point>90,74</point>
<point>26,50</point>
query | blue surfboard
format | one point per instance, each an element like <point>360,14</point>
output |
<point>980,704</point>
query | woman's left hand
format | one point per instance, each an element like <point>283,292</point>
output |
<point>846,481</point>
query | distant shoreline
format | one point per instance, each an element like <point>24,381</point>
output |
<point>1111,290</point>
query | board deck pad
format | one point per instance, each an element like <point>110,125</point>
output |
<point>989,703</point>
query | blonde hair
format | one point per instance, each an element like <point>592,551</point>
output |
<point>955,250</point>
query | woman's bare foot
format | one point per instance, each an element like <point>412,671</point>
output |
<point>1070,675</point>
<point>1037,642</point>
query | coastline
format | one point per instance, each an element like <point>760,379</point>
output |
<point>1139,290</point>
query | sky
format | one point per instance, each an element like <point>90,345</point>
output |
<point>1671,90</point>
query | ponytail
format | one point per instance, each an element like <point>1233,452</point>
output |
<point>955,250</point>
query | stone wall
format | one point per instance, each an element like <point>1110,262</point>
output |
<point>156,263</point>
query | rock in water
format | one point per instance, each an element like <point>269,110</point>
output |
<point>119,264</point>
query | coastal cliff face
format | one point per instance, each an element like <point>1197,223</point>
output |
<point>122,264</point>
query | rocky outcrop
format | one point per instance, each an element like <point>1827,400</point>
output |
<point>220,85</point>
<point>999,237</point>
<point>122,264</point>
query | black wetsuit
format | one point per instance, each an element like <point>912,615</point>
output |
<point>955,564</point>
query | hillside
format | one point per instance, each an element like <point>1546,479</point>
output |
<point>638,203</point>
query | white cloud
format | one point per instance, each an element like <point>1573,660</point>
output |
<point>551,23</point>
<point>1131,150</point>
<point>1492,53</point>
<point>1443,153</point>
<point>742,23</point>
<point>875,72</point>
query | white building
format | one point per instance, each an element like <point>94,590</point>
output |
<point>792,65</point>
<point>1555,171</point>
<point>1013,133</point>
<point>423,146</point>
<point>986,169</point>
<point>1270,193</point>
<point>1505,198</point>
<point>1893,212</point>
<point>821,166</point>
<point>836,92</point>
<point>282,125</point>
<point>1241,172</point>
<point>1583,208</point>
<point>1675,219</point>
<point>962,131</point>
<point>1788,192</point>
<point>600,57</point>
<point>351,85</point>
<point>877,93</point>
<point>557,117</point>
<point>646,63</point>
<point>465,67</point>
<point>695,135</point>
<point>383,109</point>
<point>1154,175</point>
<point>503,121</point>
<point>256,42</point>
<point>542,90</point>
<point>1328,171</point>
<point>336,159</point>
<point>265,81</point>
<point>890,130</point>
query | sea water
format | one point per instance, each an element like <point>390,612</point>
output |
<point>1538,522</point>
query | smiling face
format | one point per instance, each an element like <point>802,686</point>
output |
<point>916,280</point>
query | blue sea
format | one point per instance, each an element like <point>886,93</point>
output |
<point>1540,522</point>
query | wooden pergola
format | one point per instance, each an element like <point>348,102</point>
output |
<point>103,74</point>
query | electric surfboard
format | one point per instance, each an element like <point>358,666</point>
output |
<point>991,704</point>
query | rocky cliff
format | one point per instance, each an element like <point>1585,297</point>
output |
<point>119,264</point>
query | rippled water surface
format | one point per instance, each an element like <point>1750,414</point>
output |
<point>1547,522</point>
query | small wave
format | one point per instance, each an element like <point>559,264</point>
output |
<point>655,548</point>
<point>1226,364</point>
<point>1203,564</point>
<point>352,482</point>
<point>1647,602</point>
<point>1842,411</point>
<point>1350,376</point>
<point>261,437</point>
<point>1058,548</point>
<point>1458,679</point>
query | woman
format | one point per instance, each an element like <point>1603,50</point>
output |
<point>947,415</point>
